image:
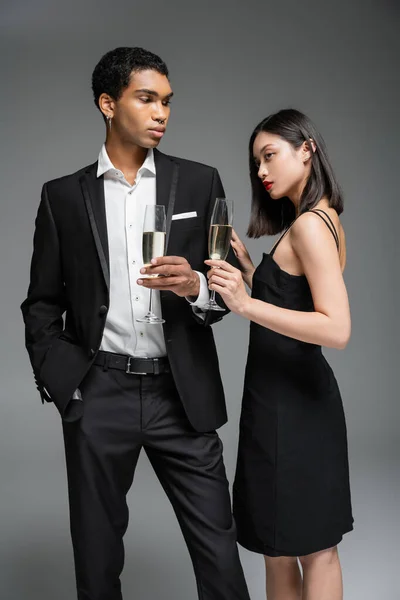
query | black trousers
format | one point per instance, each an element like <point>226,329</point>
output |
<point>122,414</point>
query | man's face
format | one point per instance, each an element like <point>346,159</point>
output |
<point>141,114</point>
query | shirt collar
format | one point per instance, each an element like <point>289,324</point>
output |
<point>105,164</point>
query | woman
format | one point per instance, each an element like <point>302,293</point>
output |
<point>291,491</point>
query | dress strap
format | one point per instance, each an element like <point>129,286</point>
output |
<point>329,224</point>
<point>279,240</point>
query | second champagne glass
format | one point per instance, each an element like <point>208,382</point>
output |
<point>154,232</point>
<point>219,239</point>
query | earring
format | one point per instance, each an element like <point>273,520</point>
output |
<point>109,121</point>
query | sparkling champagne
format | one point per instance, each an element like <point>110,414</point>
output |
<point>219,241</point>
<point>153,245</point>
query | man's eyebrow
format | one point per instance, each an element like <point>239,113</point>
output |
<point>152,93</point>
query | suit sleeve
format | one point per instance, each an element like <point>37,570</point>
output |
<point>46,302</point>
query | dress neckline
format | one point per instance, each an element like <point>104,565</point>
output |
<point>290,275</point>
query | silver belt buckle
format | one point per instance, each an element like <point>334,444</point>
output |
<point>128,368</point>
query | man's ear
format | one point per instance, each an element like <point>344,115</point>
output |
<point>107,105</point>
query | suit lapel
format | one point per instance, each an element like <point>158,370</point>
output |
<point>164,166</point>
<point>167,175</point>
<point>93,193</point>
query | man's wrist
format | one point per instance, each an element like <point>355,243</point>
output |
<point>203,294</point>
<point>195,288</point>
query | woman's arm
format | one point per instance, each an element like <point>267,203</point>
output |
<point>330,324</point>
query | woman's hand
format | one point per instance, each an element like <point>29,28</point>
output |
<point>228,282</point>
<point>243,257</point>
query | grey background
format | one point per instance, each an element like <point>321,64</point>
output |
<point>231,64</point>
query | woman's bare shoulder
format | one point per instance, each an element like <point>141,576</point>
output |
<point>310,226</point>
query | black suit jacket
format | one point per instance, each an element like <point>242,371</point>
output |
<point>70,277</point>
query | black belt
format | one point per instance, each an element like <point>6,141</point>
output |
<point>131,364</point>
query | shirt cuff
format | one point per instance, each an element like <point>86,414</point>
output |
<point>204,293</point>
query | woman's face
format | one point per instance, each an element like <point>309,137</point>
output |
<point>282,169</point>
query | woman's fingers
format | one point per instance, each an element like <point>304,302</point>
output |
<point>221,264</point>
<point>237,250</point>
<point>235,236</point>
<point>238,247</point>
<point>218,288</point>
<point>223,274</point>
<point>218,281</point>
<point>236,239</point>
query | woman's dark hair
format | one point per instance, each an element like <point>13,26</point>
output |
<point>268,216</point>
<point>112,73</point>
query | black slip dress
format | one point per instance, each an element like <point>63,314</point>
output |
<point>291,493</point>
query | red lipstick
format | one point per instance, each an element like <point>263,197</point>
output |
<point>267,185</point>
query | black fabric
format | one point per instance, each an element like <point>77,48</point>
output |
<point>171,203</point>
<point>97,186</point>
<point>123,414</point>
<point>291,494</point>
<point>70,274</point>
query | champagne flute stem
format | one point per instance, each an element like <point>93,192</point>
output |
<point>212,297</point>
<point>151,301</point>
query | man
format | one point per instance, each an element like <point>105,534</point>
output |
<point>118,383</point>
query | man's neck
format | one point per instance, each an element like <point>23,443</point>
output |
<point>127,158</point>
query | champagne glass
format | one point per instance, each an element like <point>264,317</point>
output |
<point>219,239</point>
<point>154,231</point>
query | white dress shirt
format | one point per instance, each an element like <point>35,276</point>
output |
<point>125,209</point>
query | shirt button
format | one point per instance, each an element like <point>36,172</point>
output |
<point>103,309</point>
<point>141,334</point>
<point>137,298</point>
<point>134,262</point>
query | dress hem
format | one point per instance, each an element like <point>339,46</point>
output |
<point>272,552</point>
